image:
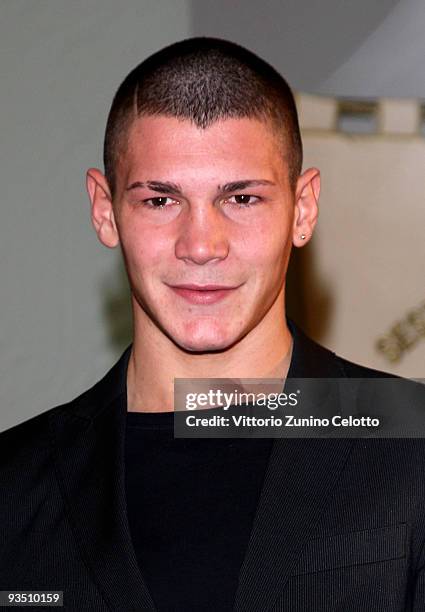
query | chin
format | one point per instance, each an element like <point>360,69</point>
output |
<point>204,338</point>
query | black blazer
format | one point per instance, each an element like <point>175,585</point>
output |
<point>340,525</point>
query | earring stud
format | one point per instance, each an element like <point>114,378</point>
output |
<point>302,236</point>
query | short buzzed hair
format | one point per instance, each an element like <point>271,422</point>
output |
<point>203,80</point>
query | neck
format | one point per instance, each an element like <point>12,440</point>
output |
<point>265,352</point>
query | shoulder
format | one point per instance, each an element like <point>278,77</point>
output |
<point>31,440</point>
<point>350,369</point>
<point>27,441</point>
<point>393,390</point>
<point>313,360</point>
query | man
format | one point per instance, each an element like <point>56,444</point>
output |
<point>204,194</point>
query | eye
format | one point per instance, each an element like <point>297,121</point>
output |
<point>243,200</point>
<point>159,202</point>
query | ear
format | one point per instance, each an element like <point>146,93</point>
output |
<point>102,212</point>
<point>306,206</point>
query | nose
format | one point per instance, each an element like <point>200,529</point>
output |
<point>202,236</point>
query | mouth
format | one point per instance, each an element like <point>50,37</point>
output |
<point>203,294</point>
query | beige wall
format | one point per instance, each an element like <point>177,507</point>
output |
<point>366,262</point>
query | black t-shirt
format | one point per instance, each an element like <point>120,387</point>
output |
<point>191,504</point>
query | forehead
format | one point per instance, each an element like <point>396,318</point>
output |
<point>168,146</point>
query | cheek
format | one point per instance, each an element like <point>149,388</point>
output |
<point>266,245</point>
<point>144,247</point>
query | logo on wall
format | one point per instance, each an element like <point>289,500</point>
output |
<point>403,335</point>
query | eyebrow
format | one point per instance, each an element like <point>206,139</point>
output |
<point>174,189</point>
<point>157,186</point>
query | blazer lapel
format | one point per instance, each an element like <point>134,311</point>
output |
<point>88,439</point>
<point>300,476</point>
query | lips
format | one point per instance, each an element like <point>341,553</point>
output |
<point>203,294</point>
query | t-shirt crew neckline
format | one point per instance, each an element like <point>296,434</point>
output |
<point>150,420</point>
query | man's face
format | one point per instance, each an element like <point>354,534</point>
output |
<point>204,207</point>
